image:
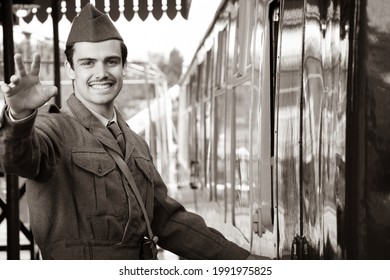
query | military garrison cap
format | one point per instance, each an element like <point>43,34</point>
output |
<point>91,25</point>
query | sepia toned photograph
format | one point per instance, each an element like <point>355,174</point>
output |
<point>195,130</point>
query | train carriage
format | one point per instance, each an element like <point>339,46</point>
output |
<point>283,132</point>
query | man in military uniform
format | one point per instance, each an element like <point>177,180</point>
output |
<point>80,202</point>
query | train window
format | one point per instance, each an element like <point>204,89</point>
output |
<point>231,67</point>
<point>194,89</point>
<point>245,18</point>
<point>221,58</point>
<point>201,82</point>
<point>197,92</point>
<point>209,72</point>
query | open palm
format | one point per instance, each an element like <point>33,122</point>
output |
<point>25,92</point>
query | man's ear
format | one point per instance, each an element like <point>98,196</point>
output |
<point>69,70</point>
<point>124,72</point>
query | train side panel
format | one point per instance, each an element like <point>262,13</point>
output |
<point>284,128</point>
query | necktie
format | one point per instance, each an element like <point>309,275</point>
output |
<point>118,134</point>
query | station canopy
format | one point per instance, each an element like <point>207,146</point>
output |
<point>115,8</point>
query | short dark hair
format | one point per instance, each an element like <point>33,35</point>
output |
<point>69,51</point>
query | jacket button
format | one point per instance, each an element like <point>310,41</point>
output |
<point>99,170</point>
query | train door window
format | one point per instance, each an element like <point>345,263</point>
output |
<point>245,18</point>
<point>240,151</point>
<point>231,60</point>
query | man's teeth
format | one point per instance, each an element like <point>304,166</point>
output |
<point>100,86</point>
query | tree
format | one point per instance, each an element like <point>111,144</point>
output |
<point>173,68</point>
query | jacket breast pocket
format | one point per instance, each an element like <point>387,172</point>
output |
<point>98,185</point>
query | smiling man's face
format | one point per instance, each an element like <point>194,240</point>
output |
<point>97,73</point>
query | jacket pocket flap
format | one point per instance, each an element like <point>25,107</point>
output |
<point>97,162</point>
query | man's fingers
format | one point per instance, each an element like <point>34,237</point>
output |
<point>36,64</point>
<point>15,79</point>
<point>5,88</point>
<point>19,65</point>
<point>50,91</point>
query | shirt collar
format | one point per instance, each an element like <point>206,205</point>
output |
<point>103,120</point>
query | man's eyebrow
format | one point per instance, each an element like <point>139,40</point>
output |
<point>113,57</point>
<point>85,58</point>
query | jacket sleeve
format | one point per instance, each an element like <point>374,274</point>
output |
<point>28,150</point>
<point>185,233</point>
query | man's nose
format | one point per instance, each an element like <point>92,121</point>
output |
<point>100,71</point>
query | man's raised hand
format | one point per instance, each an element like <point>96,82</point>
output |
<point>25,93</point>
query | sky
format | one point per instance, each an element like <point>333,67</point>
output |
<point>166,34</point>
<point>150,36</point>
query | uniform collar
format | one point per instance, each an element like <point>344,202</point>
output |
<point>98,128</point>
<point>87,117</point>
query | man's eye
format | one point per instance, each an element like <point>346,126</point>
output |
<point>86,63</point>
<point>113,62</point>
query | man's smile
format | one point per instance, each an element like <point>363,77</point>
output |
<point>99,85</point>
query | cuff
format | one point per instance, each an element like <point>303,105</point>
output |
<point>20,120</point>
<point>234,252</point>
<point>18,128</point>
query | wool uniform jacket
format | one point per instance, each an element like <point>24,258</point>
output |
<point>77,197</point>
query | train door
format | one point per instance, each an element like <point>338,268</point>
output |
<point>310,126</point>
<point>261,147</point>
<point>251,129</point>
